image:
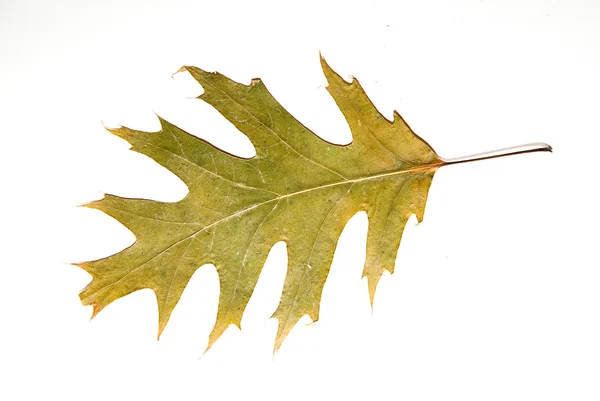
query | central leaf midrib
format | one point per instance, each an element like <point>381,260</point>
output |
<point>424,167</point>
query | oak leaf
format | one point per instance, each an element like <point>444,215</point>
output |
<point>298,188</point>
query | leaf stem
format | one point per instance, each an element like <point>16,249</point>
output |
<point>513,150</point>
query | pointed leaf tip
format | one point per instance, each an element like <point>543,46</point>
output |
<point>183,68</point>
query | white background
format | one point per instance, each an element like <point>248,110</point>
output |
<point>496,294</point>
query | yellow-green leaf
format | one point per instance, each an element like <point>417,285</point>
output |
<point>298,189</point>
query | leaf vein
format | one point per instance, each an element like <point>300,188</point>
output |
<point>273,131</point>
<point>254,206</point>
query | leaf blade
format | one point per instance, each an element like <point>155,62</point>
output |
<point>237,209</point>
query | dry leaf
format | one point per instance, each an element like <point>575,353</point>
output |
<point>298,189</point>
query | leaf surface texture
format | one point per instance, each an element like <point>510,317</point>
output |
<point>298,188</point>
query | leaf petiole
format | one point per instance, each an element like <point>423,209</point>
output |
<point>513,150</point>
